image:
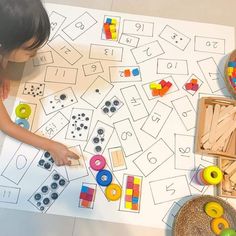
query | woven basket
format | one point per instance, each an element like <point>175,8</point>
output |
<point>230,88</point>
<point>192,220</point>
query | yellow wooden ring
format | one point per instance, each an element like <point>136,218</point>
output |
<point>113,192</point>
<point>212,175</point>
<point>214,209</point>
<point>218,225</point>
<point>23,111</point>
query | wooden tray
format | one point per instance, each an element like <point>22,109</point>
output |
<point>230,88</point>
<point>191,220</point>
<point>201,119</point>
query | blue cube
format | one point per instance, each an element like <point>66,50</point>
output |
<point>232,64</point>
<point>134,200</point>
<point>135,72</point>
<point>84,189</point>
<point>108,20</point>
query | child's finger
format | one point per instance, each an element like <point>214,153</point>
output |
<point>59,163</point>
<point>72,155</point>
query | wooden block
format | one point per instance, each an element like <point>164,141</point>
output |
<point>231,169</point>
<point>208,119</point>
<point>215,118</point>
<point>225,163</point>
<point>233,178</point>
<point>227,112</point>
<point>127,73</point>
<point>118,158</point>
<point>220,129</point>
<point>230,147</point>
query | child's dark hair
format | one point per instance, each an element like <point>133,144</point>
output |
<point>20,21</point>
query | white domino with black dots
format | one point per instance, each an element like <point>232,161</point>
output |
<point>112,106</point>
<point>46,162</point>
<point>49,191</point>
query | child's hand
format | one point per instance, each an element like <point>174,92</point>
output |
<point>60,154</point>
<point>4,88</point>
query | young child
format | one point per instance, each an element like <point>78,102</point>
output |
<point>24,28</point>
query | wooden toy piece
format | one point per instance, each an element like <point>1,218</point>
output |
<point>85,203</point>
<point>226,184</point>
<point>214,123</point>
<point>114,35</point>
<point>23,111</point>
<point>212,175</point>
<point>195,87</point>
<point>208,119</point>
<point>214,209</point>
<point>225,163</point>
<point>109,21</point>
<point>127,73</point>
<point>231,169</point>
<point>220,129</point>
<point>218,225</point>
<point>233,177</point>
<point>228,232</point>
<point>194,81</point>
<point>227,133</point>
<point>230,144</point>
<point>135,72</point>
<point>163,83</point>
<point>163,91</point>
<point>108,35</point>
<point>153,85</point>
<point>97,162</point>
<point>113,192</point>
<point>106,27</point>
<point>118,158</point>
<point>227,112</point>
<point>155,92</point>
<point>114,21</point>
<point>112,28</point>
<point>188,86</point>
<point>168,84</point>
<point>23,123</point>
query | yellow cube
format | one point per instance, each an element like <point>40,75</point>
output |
<point>158,86</point>
<point>128,205</point>
<point>114,35</point>
<point>114,22</point>
<point>230,69</point>
<point>137,180</point>
<point>112,28</point>
<point>152,86</point>
<point>129,192</point>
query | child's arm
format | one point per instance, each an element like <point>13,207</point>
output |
<point>59,152</point>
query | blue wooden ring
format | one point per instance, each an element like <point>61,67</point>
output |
<point>23,123</point>
<point>104,177</point>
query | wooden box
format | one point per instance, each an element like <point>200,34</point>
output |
<point>216,123</point>
<point>227,188</point>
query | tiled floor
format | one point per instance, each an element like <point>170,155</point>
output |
<point>28,224</point>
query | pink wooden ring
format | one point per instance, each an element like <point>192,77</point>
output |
<point>97,162</point>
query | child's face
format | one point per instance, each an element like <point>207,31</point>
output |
<point>22,54</point>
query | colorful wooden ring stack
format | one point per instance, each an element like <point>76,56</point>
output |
<point>211,175</point>
<point>23,112</point>
<point>104,178</point>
